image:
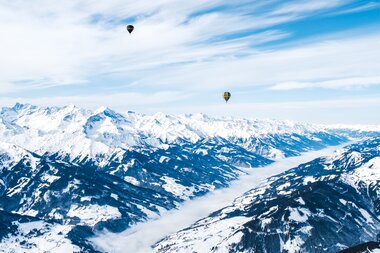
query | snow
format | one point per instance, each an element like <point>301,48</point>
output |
<point>71,186</point>
<point>175,188</point>
<point>202,151</point>
<point>140,237</point>
<point>114,196</point>
<point>149,213</point>
<point>27,227</point>
<point>275,154</point>
<point>55,214</point>
<point>49,178</point>
<point>131,180</point>
<point>84,133</point>
<point>283,186</point>
<point>368,173</point>
<point>12,154</point>
<point>164,159</point>
<point>21,183</point>
<point>366,215</point>
<point>204,241</point>
<point>299,215</point>
<point>87,198</point>
<point>309,179</point>
<point>344,202</point>
<point>90,215</point>
<point>355,158</point>
<point>50,238</point>
<point>301,201</point>
<point>265,222</point>
<point>293,245</point>
<point>31,212</point>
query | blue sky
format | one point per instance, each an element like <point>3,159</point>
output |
<point>315,61</point>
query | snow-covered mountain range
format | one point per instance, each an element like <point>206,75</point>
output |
<point>326,205</point>
<point>84,134</point>
<point>67,172</point>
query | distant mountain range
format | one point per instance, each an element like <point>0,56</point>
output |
<point>67,172</point>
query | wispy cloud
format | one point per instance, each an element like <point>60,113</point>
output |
<point>365,7</point>
<point>301,7</point>
<point>330,84</point>
<point>79,40</point>
<point>122,101</point>
<point>340,58</point>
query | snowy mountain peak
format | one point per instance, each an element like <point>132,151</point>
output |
<point>19,107</point>
<point>104,110</point>
<point>84,133</point>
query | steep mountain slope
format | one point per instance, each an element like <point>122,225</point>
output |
<point>326,205</point>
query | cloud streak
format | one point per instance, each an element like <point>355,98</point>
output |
<point>127,100</point>
<point>357,82</point>
<point>329,60</point>
<point>365,7</point>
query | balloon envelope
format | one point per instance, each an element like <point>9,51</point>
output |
<point>130,28</point>
<point>226,96</point>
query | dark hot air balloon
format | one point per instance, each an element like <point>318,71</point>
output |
<point>226,96</point>
<point>130,28</point>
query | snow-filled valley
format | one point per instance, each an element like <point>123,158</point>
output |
<point>70,175</point>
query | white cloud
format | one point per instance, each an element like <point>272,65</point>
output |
<point>366,7</point>
<point>122,101</point>
<point>330,84</point>
<point>347,110</point>
<point>58,42</point>
<point>309,6</point>
<point>341,58</point>
<point>6,87</point>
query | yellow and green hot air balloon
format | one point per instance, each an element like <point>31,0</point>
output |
<point>226,96</point>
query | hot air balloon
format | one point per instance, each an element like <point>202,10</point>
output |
<point>226,96</point>
<point>130,28</point>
